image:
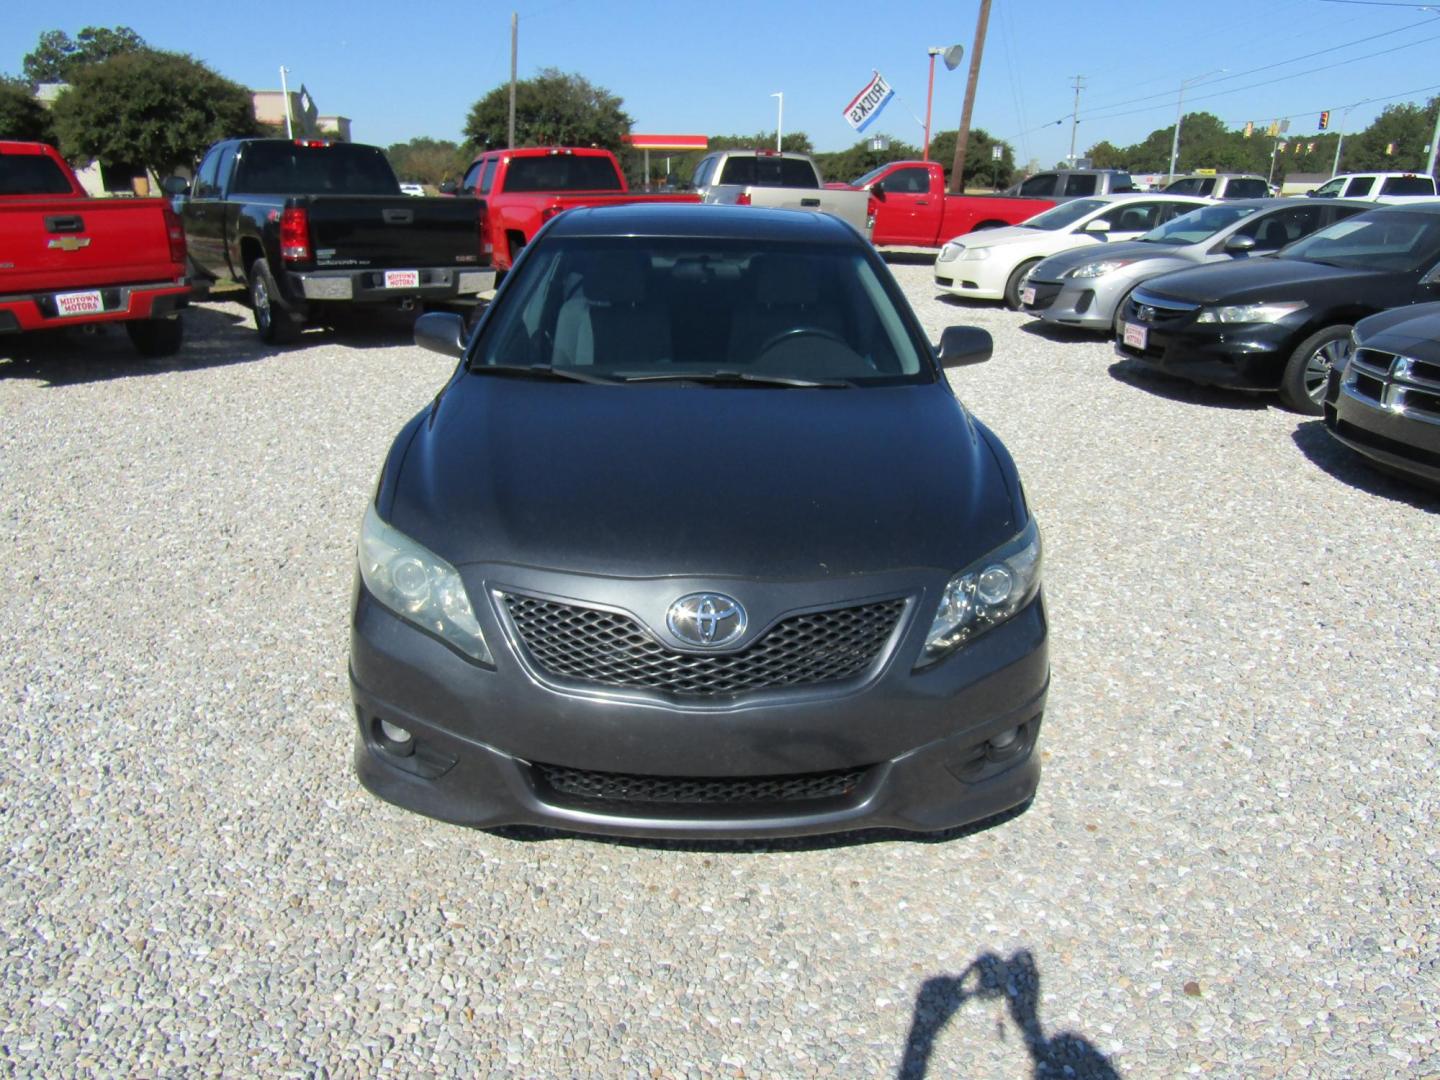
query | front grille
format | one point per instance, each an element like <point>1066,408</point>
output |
<point>587,785</point>
<point>1152,310</point>
<point>1395,384</point>
<point>606,648</point>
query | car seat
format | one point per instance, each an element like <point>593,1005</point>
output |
<point>609,320</point>
<point>1273,235</point>
<point>786,295</point>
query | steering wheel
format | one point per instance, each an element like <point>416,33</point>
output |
<point>801,331</point>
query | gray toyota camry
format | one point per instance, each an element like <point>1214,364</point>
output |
<point>697,541</point>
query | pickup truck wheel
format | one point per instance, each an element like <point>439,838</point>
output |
<point>1302,388</point>
<point>1018,277</point>
<point>272,316</point>
<point>155,337</point>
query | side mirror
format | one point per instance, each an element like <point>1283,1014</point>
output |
<point>877,189</point>
<point>1432,276</point>
<point>447,188</point>
<point>442,332</point>
<point>961,346</point>
<point>1239,245</point>
<point>1099,225</point>
<point>175,185</point>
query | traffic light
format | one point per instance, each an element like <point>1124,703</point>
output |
<point>1324,119</point>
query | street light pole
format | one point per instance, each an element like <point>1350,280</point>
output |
<point>929,95</point>
<point>779,120</point>
<point>285,93</point>
<point>1075,117</point>
<point>1344,121</point>
<point>1180,111</point>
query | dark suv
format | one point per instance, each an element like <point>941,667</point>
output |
<point>698,541</point>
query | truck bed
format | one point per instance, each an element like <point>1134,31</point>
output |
<point>83,243</point>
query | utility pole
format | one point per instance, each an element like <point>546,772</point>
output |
<point>285,93</point>
<point>962,137</point>
<point>1344,120</point>
<point>514,47</point>
<point>1075,116</point>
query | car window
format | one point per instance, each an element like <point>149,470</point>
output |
<point>913,181</point>
<point>769,171</point>
<point>561,172</point>
<point>1138,217</point>
<point>1064,215</point>
<point>618,307</point>
<point>1197,225</point>
<point>1080,184</point>
<point>1039,186</point>
<point>1394,240</point>
<point>471,179</point>
<point>1243,187</point>
<point>283,167</point>
<point>1274,230</point>
<point>1190,185</point>
<point>205,186</point>
<point>1408,185</point>
<point>702,172</point>
<point>1330,189</point>
<point>487,176</point>
<point>1120,183</point>
<point>1359,187</point>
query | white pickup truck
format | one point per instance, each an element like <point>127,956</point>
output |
<point>1378,187</point>
<point>777,180</point>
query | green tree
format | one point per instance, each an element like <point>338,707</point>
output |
<point>552,109</point>
<point>156,109</point>
<point>57,58</point>
<point>981,168</point>
<point>857,160</point>
<point>1404,130</point>
<point>430,161</point>
<point>21,116</point>
<point>1106,155</point>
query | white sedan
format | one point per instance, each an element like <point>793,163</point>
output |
<point>994,264</point>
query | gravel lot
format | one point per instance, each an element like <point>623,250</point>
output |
<point>1231,866</point>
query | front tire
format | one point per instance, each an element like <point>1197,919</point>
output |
<point>1018,277</point>
<point>155,337</point>
<point>273,320</point>
<point>1302,388</point>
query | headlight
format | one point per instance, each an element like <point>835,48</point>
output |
<point>1098,269</point>
<point>418,585</point>
<point>985,595</point>
<point>949,252</point>
<point>1250,313</point>
<point>970,254</point>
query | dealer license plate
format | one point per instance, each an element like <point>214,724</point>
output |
<point>79,303</point>
<point>1136,336</point>
<point>402,279</point>
<point>1027,295</point>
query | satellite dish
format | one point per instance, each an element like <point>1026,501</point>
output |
<point>952,56</point>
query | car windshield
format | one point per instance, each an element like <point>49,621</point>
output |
<point>710,311</point>
<point>1395,240</point>
<point>861,181</point>
<point>1064,215</point>
<point>1197,225</point>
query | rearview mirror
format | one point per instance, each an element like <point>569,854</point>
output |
<point>1100,224</point>
<point>961,346</point>
<point>175,185</point>
<point>442,332</point>
<point>1239,245</point>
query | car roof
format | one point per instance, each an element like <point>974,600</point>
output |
<point>696,220</point>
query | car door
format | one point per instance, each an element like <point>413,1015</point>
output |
<point>912,215</point>
<point>204,217</point>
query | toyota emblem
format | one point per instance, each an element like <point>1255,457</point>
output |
<point>706,620</point>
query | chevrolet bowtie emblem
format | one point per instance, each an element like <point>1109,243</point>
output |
<point>69,243</point>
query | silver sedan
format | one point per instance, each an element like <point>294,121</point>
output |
<point>1088,288</point>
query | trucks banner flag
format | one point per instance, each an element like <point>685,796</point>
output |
<point>867,104</point>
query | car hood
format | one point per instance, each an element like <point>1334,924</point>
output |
<point>1412,331</point>
<point>1057,264</point>
<point>1008,235</point>
<point>1253,279</point>
<point>667,480</point>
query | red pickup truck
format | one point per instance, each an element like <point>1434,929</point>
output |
<point>910,208</point>
<point>67,259</point>
<point>524,188</point>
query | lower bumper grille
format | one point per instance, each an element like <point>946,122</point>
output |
<point>587,785</point>
<point>606,648</point>
<point>1045,294</point>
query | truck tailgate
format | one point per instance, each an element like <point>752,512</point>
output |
<point>76,243</point>
<point>392,231</point>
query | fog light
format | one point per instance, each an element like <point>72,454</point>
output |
<point>395,733</point>
<point>1003,741</point>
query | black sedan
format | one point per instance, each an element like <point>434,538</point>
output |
<point>1384,401</point>
<point>1282,323</point>
<point>698,541</point>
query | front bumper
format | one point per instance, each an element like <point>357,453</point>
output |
<point>368,286</point>
<point>894,748</point>
<point>1088,305</point>
<point>1239,356</point>
<point>979,279</point>
<point>1398,431</point>
<point>120,303</point>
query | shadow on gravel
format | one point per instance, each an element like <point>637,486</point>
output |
<point>854,838</point>
<point>1345,465</point>
<point>1017,981</point>
<point>1133,373</point>
<point>951,300</point>
<point>1065,335</point>
<point>216,335</point>
<point>910,258</point>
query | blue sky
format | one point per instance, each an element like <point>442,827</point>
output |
<point>400,70</point>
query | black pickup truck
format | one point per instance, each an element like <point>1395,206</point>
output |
<point>308,225</point>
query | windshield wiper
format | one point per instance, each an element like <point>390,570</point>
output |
<point>540,371</point>
<point>722,378</point>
